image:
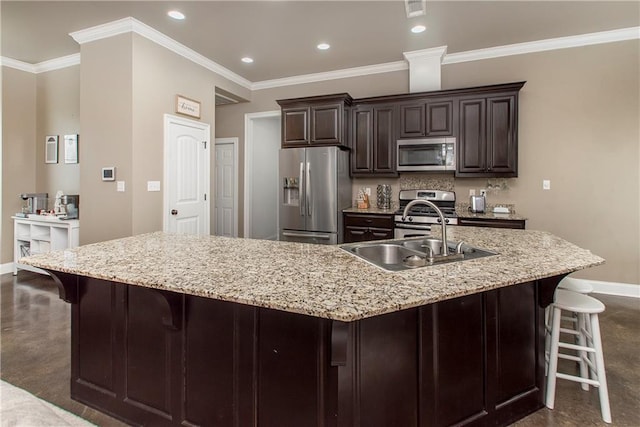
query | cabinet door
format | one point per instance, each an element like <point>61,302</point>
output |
<point>501,135</point>
<point>439,118</point>
<point>362,141</point>
<point>384,140</point>
<point>295,125</point>
<point>356,234</point>
<point>412,120</point>
<point>326,124</point>
<point>472,147</point>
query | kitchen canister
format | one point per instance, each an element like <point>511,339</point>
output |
<point>383,193</point>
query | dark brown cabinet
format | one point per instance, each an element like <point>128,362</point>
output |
<point>318,120</point>
<point>362,227</point>
<point>492,222</point>
<point>488,134</point>
<point>373,140</point>
<point>426,119</point>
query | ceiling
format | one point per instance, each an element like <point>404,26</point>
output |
<point>281,36</point>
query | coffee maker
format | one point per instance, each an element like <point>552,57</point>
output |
<point>69,206</point>
<point>34,202</point>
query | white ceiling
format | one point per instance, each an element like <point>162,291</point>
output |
<point>281,35</point>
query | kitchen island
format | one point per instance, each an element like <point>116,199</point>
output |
<point>185,330</point>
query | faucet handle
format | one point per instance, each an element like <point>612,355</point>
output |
<point>459,247</point>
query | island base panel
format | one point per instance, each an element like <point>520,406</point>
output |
<point>159,358</point>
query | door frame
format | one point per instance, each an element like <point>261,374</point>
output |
<point>168,120</point>
<point>235,141</point>
<point>248,164</point>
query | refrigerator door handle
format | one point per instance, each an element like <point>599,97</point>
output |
<point>308,189</point>
<point>301,187</point>
<point>315,236</point>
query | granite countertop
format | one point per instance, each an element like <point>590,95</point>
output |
<point>372,210</point>
<point>462,211</point>
<point>318,280</point>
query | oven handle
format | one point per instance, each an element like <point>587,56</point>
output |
<point>412,226</point>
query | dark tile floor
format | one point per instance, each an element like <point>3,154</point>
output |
<point>35,352</point>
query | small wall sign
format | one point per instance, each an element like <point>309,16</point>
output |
<point>187,106</point>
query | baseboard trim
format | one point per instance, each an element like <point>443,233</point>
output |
<point>6,268</point>
<point>612,288</point>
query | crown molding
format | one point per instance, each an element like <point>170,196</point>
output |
<point>332,75</point>
<point>133,25</point>
<point>435,52</point>
<point>544,45</point>
<point>129,24</point>
<point>18,65</point>
<point>58,63</point>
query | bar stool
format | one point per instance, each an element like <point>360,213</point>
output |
<point>589,347</point>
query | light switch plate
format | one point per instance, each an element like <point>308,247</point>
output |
<point>153,185</point>
<point>472,192</point>
<point>120,186</point>
<point>546,184</point>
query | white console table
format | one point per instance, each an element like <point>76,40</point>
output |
<point>39,234</point>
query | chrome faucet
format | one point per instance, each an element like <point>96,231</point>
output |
<point>443,222</point>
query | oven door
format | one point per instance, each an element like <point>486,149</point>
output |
<point>404,231</point>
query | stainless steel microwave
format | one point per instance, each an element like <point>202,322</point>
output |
<point>427,154</point>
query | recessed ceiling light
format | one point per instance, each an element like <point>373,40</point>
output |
<point>247,60</point>
<point>324,46</point>
<point>175,14</point>
<point>418,29</point>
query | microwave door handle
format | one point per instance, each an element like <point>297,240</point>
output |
<point>301,189</point>
<point>308,189</point>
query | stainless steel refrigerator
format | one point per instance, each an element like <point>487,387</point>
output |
<point>314,187</point>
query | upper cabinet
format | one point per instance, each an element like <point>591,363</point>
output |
<point>373,140</point>
<point>317,120</point>
<point>488,133</point>
<point>426,117</point>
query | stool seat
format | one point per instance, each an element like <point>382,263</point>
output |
<point>575,285</point>
<point>579,303</point>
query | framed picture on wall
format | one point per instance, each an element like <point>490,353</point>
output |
<point>51,149</point>
<point>71,148</point>
<point>188,107</point>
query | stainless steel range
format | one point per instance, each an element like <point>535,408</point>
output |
<point>420,218</point>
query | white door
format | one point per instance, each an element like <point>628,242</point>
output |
<point>186,176</point>
<point>226,190</point>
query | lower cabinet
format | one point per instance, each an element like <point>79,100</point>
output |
<point>154,357</point>
<point>363,227</point>
<point>492,222</point>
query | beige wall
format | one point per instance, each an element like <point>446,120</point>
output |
<point>57,113</point>
<point>106,123</point>
<point>578,127</point>
<point>18,148</point>
<point>127,85</point>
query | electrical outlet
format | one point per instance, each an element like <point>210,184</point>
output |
<point>483,192</point>
<point>367,191</point>
<point>546,184</point>
<point>472,192</point>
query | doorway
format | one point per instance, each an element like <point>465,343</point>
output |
<point>262,143</point>
<point>226,187</point>
<point>186,176</point>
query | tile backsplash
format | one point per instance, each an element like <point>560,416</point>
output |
<point>431,181</point>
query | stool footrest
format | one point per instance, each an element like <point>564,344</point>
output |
<point>578,379</point>
<point>576,347</point>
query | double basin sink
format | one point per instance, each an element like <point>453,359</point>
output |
<point>398,255</point>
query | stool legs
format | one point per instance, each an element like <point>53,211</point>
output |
<point>553,357</point>
<point>602,377</point>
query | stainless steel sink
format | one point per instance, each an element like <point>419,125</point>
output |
<point>405,254</point>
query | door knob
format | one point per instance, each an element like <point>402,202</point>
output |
<point>174,212</point>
